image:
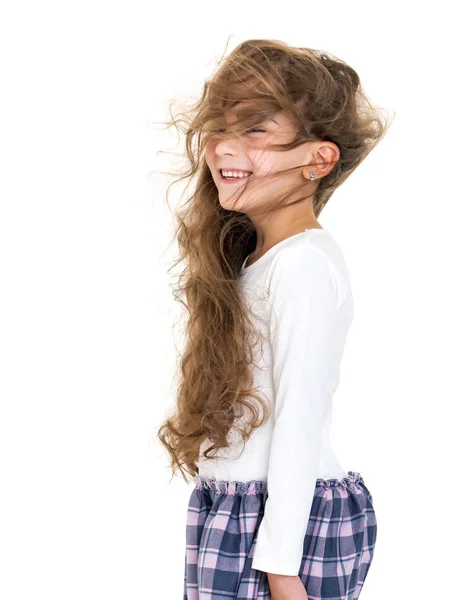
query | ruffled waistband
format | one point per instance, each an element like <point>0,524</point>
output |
<point>256,486</point>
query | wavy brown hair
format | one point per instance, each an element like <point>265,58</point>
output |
<point>324,96</point>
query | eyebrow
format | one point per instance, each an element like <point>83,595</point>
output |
<point>240,101</point>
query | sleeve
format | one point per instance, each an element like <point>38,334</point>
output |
<point>302,325</point>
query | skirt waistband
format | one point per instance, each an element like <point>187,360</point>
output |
<point>256,486</point>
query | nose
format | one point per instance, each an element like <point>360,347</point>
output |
<point>231,146</point>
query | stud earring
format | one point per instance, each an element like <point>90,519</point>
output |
<point>312,175</point>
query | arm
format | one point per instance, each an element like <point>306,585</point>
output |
<point>286,587</point>
<point>304,314</point>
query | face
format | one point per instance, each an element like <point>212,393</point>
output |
<point>248,153</point>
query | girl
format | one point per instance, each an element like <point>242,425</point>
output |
<point>273,514</point>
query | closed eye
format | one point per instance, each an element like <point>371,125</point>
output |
<point>253,130</point>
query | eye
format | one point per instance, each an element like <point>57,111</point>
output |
<point>253,130</point>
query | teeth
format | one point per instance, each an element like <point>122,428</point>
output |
<point>239,174</point>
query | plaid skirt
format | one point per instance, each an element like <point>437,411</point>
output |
<point>223,518</point>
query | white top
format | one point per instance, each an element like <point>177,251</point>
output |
<point>300,295</point>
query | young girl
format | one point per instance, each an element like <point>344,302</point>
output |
<point>273,513</point>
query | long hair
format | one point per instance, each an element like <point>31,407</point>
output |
<point>325,97</point>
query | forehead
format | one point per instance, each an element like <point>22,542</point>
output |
<point>280,117</point>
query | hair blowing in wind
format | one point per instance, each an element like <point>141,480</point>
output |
<point>325,98</point>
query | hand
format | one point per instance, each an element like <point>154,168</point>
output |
<point>286,587</point>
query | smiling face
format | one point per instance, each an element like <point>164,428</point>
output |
<point>248,153</point>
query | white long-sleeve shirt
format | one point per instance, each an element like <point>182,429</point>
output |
<point>300,295</point>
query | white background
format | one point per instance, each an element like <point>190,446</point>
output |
<point>88,319</point>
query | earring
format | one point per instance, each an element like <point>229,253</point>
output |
<point>312,175</point>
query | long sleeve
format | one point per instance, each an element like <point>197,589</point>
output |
<point>304,313</point>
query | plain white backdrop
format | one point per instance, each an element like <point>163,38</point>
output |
<point>88,319</point>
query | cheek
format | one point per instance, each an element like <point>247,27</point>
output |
<point>209,156</point>
<point>208,152</point>
<point>264,161</point>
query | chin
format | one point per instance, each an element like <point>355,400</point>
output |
<point>231,203</point>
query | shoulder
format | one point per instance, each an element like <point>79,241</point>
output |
<point>301,252</point>
<point>303,264</point>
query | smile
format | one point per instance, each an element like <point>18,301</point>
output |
<point>234,178</point>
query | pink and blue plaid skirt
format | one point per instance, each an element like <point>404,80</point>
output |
<point>223,518</point>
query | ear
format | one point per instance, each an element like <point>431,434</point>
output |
<point>327,154</point>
